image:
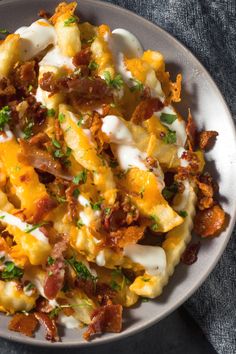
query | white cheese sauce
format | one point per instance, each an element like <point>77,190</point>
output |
<point>100,259</point>
<point>54,57</point>
<point>35,38</point>
<point>7,134</point>
<point>10,219</point>
<point>128,155</point>
<point>68,321</point>
<point>152,258</point>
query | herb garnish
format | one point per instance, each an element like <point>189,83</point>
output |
<point>170,191</point>
<point>61,117</point>
<point>28,130</point>
<point>81,177</point>
<point>50,260</point>
<point>4,31</point>
<point>168,118</point>
<point>115,286</point>
<point>69,21</point>
<point>5,115</point>
<point>51,112</point>
<point>76,193</point>
<point>116,83</point>
<point>93,65</point>
<point>80,269</point>
<point>11,271</point>
<point>80,223</point>
<point>31,228</point>
<point>183,213</point>
<point>170,137</point>
<point>154,226</point>
<point>138,86</point>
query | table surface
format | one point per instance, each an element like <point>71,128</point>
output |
<point>176,334</point>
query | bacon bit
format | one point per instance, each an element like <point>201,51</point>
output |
<point>43,206</point>
<point>210,221</point>
<point>6,88</point>
<point>83,57</point>
<point>72,202</point>
<point>191,131</point>
<point>25,324</point>
<point>125,236</point>
<point>206,138</point>
<point>25,75</point>
<point>87,285</point>
<point>175,89</point>
<point>107,318</point>
<point>190,254</point>
<point>41,159</point>
<point>151,161</point>
<point>104,293</point>
<point>206,191</point>
<point>56,272</point>
<point>49,325</point>
<point>145,110</point>
<point>58,131</point>
<point>43,305</point>
<point>39,139</point>
<point>44,14</point>
<point>96,130</point>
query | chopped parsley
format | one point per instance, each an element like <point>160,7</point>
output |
<point>4,31</point>
<point>50,260</point>
<point>116,83</point>
<point>107,211</point>
<point>30,88</point>
<point>144,299</point>
<point>69,21</point>
<point>80,121</point>
<point>145,279</point>
<point>51,112</point>
<point>61,117</point>
<point>31,228</point>
<point>183,213</point>
<point>55,312</point>
<point>5,115</point>
<point>115,286</point>
<point>80,269</point>
<point>2,217</point>
<point>138,86</point>
<point>93,65</point>
<point>170,137</point>
<point>154,226</point>
<point>76,193</point>
<point>11,271</point>
<point>29,287</point>
<point>28,130</point>
<point>169,192</point>
<point>96,206</point>
<point>168,118</point>
<point>56,143</point>
<point>80,223</point>
<point>81,177</point>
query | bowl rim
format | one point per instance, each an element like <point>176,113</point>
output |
<point>131,332</point>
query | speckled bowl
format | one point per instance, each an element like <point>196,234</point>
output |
<point>209,110</point>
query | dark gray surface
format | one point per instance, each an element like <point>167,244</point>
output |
<point>176,334</point>
<point>208,29</point>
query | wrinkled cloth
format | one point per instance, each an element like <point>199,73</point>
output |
<point>208,29</point>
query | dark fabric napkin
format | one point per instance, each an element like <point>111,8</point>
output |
<point>208,29</point>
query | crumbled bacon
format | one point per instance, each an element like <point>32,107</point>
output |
<point>49,325</point>
<point>41,159</point>
<point>88,88</point>
<point>191,131</point>
<point>25,75</point>
<point>43,305</point>
<point>56,272</point>
<point>44,14</point>
<point>210,221</point>
<point>107,318</point>
<point>39,139</point>
<point>145,110</point>
<point>104,293</point>
<point>25,324</point>
<point>206,137</point>
<point>190,254</point>
<point>43,206</point>
<point>72,201</point>
<point>125,236</point>
<point>207,188</point>
<point>83,57</point>
<point>6,88</point>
